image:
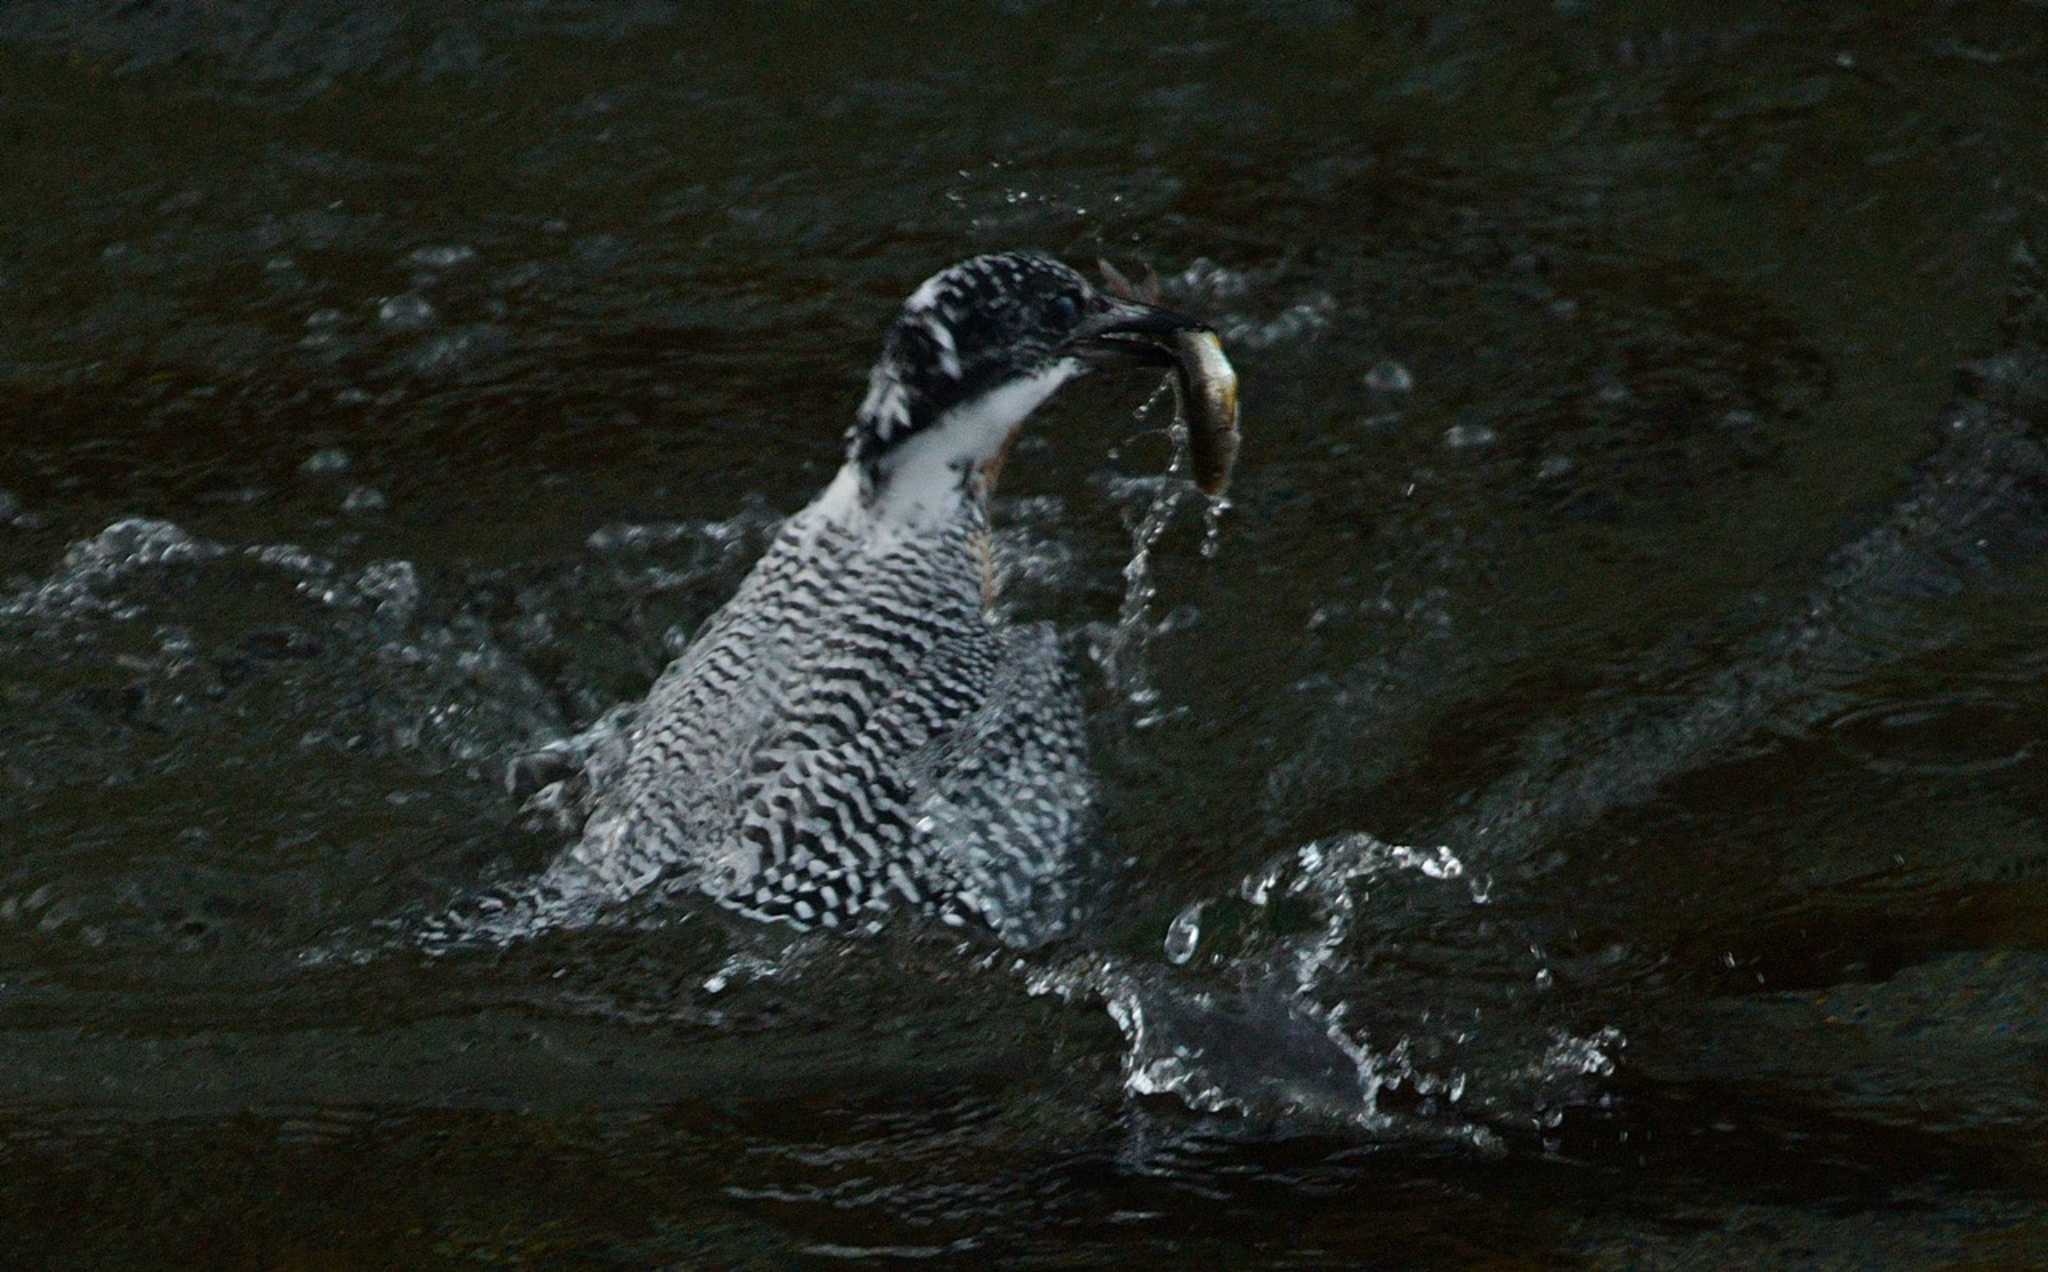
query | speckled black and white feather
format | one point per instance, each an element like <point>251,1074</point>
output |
<point>853,732</point>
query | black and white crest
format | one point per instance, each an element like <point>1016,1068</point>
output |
<point>855,730</point>
<point>966,332</point>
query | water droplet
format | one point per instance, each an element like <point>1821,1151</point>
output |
<point>1389,376</point>
<point>324,462</point>
<point>1184,934</point>
<point>1212,526</point>
<point>364,499</point>
<point>1122,655</point>
<point>445,256</point>
<point>407,311</point>
<point>1258,887</point>
<point>1469,436</point>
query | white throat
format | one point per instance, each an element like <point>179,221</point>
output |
<point>926,475</point>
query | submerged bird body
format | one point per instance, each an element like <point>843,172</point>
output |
<point>853,731</point>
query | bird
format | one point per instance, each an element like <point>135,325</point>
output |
<point>855,731</point>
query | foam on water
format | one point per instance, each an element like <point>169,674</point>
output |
<point>87,580</point>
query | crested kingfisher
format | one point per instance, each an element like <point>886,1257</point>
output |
<point>854,731</point>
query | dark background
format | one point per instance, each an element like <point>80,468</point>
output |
<point>462,355</point>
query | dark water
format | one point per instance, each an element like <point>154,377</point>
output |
<point>386,389</point>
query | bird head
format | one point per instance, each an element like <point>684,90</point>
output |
<point>975,350</point>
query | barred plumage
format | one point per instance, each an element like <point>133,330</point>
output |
<point>852,731</point>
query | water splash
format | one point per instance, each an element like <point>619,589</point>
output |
<point>1258,1051</point>
<point>1280,1017</point>
<point>1122,655</point>
<point>89,578</point>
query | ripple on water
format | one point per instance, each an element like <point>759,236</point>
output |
<point>1938,735</point>
<point>1288,1029</point>
<point>408,311</point>
<point>442,256</point>
<point>326,462</point>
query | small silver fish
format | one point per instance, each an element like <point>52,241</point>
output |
<point>1204,383</point>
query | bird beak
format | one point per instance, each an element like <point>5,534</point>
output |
<point>1132,333</point>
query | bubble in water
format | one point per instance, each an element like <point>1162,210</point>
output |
<point>407,311</point>
<point>364,499</point>
<point>321,463</point>
<point>1389,376</point>
<point>1469,436</point>
<point>445,256</point>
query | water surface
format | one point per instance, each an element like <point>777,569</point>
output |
<point>1585,809</point>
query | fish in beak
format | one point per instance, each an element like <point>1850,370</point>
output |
<point>1135,329</point>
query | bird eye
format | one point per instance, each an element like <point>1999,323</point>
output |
<point>1065,309</point>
